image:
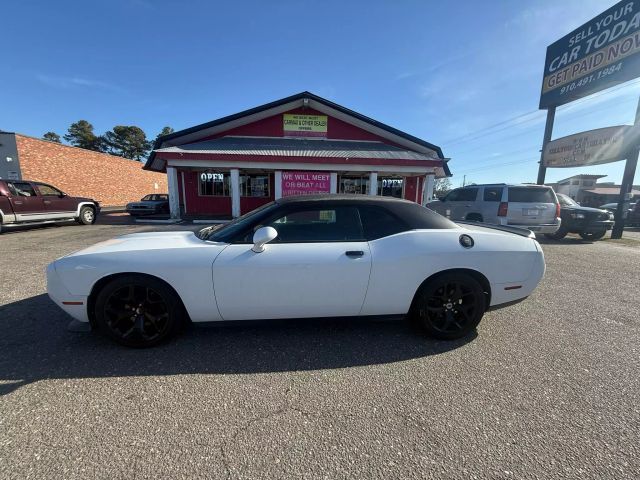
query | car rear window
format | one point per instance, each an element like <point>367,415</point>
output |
<point>531,194</point>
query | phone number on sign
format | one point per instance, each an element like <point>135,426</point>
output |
<point>595,76</point>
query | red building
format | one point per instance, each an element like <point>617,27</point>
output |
<point>300,144</point>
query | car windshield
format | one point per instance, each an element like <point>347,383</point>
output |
<point>146,197</point>
<point>566,201</point>
<point>224,233</point>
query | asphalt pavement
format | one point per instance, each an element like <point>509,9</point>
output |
<point>548,388</point>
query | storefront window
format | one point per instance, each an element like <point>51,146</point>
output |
<point>390,187</point>
<point>254,185</point>
<point>213,184</point>
<point>350,184</point>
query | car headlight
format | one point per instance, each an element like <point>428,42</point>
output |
<point>611,216</point>
<point>577,215</point>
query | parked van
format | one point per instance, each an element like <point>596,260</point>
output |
<point>534,207</point>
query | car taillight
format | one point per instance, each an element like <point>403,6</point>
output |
<point>502,209</point>
<point>557,210</point>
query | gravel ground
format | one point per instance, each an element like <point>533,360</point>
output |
<point>548,388</point>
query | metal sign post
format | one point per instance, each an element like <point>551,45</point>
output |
<point>548,130</point>
<point>627,179</point>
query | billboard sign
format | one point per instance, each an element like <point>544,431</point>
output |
<point>601,53</point>
<point>603,145</point>
<point>296,125</point>
<point>305,183</point>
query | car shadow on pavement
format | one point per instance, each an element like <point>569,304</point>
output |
<point>35,345</point>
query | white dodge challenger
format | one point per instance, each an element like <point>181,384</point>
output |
<point>301,257</point>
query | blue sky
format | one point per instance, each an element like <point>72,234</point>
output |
<point>447,72</point>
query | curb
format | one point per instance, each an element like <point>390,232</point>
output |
<point>210,221</point>
<point>150,220</point>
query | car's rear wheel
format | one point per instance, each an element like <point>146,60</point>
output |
<point>87,216</point>
<point>558,235</point>
<point>450,305</point>
<point>593,235</point>
<point>474,217</point>
<point>138,311</point>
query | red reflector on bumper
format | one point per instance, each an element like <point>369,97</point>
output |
<point>513,287</point>
<point>72,303</point>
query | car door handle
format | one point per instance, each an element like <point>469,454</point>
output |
<point>17,202</point>
<point>47,201</point>
<point>354,253</point>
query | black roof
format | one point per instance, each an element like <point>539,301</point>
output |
<point>292,98</point>
<point>415,216</point>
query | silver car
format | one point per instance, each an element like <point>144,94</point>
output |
<point>534,207</point>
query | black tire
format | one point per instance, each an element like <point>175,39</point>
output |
<point>138,311</point>
<point>474,217</point>
<point>449,306</point>
<point>87,216</point>
<point>559,235</point>
<point>592,236</point>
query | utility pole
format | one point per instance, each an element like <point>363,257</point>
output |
<point>627,179</point>
<point>548,130</point>
<point>464,178</point>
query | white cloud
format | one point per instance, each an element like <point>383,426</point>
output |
<point>57,81</point>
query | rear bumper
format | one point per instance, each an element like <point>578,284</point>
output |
<point>544,228</point>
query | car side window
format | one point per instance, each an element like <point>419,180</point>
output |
<point>23,189</point>
<point>453,195</point>
<point>377,222</point>
<point>492,194</point>
<point>467,194</point>
<point>49,191</point>
<point>318,224</point>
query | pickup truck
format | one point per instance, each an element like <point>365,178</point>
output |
<point>24,202</point>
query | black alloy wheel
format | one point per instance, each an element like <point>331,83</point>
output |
<point>450,306</point>
<point>137,311</point>
<point>597,235</point>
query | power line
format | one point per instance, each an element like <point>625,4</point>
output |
<point>564,108</point>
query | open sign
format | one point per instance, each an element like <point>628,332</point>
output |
<point>392,182</point>
<point>212,177</point>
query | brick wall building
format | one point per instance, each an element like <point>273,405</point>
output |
<point>111,180</point>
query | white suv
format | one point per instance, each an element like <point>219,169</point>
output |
<point>534,207</point>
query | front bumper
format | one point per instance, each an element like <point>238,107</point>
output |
<point>598,226</point>
<point>142,211</point>
<point>74,305</point>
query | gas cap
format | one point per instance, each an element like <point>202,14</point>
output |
<point>466,241</point>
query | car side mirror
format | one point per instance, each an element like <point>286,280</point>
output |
<point>263,236</point>
<point>62,194</point>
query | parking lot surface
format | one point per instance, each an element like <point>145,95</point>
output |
<point>548,388</point>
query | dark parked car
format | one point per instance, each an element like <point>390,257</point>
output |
<point>633,218</point>
<point>613,206</point>
<point>23,202</point>
<point>589,223</point>
<point>150,204</point>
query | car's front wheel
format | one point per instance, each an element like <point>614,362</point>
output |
<point>138,311</point>
<point>450,305</point>
<point>597,235</point>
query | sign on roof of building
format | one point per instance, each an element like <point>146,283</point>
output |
<point>296,125</point>
<point>601,53</point>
